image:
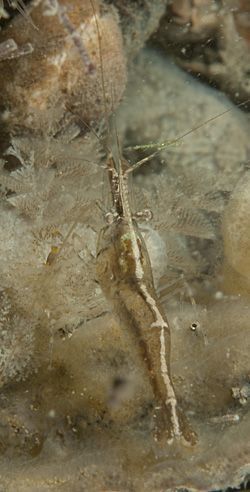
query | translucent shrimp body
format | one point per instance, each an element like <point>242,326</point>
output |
<point>125,275</point>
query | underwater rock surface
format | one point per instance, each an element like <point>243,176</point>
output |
<point>76,407</point>
<point>122,455</point>
<point>210,39</point>
<point>61,75</point>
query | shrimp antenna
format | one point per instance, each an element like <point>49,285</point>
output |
<point>167,143</point>
<point>101,64</point>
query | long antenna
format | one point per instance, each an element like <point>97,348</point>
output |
<point>101,64</point>
<point>167,143</point>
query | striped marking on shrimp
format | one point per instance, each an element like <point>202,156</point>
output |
<point>162,324</point>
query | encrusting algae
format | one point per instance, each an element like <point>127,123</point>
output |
<point>91,396</point>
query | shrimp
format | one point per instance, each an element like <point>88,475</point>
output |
<point>125,275</point>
